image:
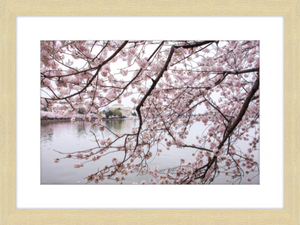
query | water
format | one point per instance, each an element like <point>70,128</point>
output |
<point>71,137</point>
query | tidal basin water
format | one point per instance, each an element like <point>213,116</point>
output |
<point>69,137</point>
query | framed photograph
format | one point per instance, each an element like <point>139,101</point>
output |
<point>150,107</point>
<point>30,195</point>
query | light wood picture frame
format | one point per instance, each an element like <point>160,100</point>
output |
<point>10,9</point>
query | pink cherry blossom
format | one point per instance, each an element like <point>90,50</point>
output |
<point>174,86</point>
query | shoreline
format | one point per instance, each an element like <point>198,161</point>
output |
<point>44,121</point>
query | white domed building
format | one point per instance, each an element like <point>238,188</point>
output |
<point>126,111</point>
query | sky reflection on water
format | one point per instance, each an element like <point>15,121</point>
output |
<point>71,137</point>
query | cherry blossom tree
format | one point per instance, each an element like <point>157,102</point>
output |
<point>174,85</point>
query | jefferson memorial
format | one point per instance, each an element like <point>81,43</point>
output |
<point>126,111</point>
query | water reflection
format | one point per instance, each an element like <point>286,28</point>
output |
<point>119,126</point>
<point>46,132</point>
<point>70,137</point>
<point>81,129</point>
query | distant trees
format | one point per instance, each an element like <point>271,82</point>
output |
<point>108,113</point>
<point>81,110</point>
<point>116,112</point>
